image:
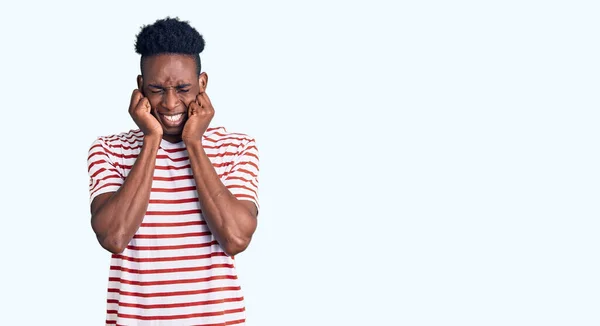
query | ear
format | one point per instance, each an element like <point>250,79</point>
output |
<point>203,82</point>
<point>140,83</point>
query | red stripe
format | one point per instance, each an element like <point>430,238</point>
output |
<point>163,259</point>
<point>220,165</point>
<point>247,151</point>
<point>171,236</point>
<point>244,163</point>
<point>91,165</point>
<point>243,179</point>
<point>170,270</point>
<point>196,315</point>
<point>190,211</point>
<point>171,282</point>
<point>227,323</point>
<point>224,137</point>
<point>174,201</point>
<point>166,157</point>
<point>95,146</point>
<point>175,293</point>
<point>249,148</point>
<point>174,305</point>
<point>247,172</point>
<point>97,153</point>
<point>128,135</point>
<point>244,196</point>
<point>103,179</point>
<point>103,169</point>
<point>173,224</point>
<point>179,177</point>
<point>104,186</point>
<point>131,139</point>
<point>173,189</point>
<point>242,187</point>
<point>176,150</point>
<point>127,147</point>
<point>157,167</point>
<point>222,154</point>
<point>174,247</point>
<point>250,154</point>
<point>233,134</point>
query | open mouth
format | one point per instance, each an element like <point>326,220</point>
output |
<point>172,120</point>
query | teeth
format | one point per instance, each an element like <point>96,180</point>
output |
<point>174,118</point>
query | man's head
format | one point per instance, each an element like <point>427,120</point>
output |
<point>171,74</point>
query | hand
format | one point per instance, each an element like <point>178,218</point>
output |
<point>200,113</point>
<point>141,112</point>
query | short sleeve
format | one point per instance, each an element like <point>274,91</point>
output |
<point>242,179</point>
<point>102,169</point>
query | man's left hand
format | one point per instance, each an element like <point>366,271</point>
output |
<point>200,113</point>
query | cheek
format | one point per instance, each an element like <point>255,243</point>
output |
<point>154,103</point>
<point>187,99</point>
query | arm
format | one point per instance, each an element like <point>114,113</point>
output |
<point>118,212</point>
<point>230,220</point>
<point>116,216</point>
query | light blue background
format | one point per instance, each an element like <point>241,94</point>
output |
<point>422,163</point>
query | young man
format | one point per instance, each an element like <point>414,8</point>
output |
<point>174,200</point>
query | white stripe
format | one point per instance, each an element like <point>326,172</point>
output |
<point>182,287</point>
<point>172,276</point>
<point>172,241</point>
<point>218,295</point>
<point>191,263</point>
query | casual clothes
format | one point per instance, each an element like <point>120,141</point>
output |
<point>173,272</point>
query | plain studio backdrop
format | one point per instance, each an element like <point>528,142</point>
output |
<point>422,163</point>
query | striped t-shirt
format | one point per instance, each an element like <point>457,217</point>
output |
<point>173,272</point>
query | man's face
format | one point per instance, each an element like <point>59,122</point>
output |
<point>170,83</point>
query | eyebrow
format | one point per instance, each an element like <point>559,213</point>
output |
<point>162,87</point>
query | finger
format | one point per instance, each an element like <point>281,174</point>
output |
<point>193,108</point>
<point>143,105</point>
<point>203,100</point>
<point>206,99</point>
<point>206,105</point>
<point>199,100</point>
<point>135,99</point>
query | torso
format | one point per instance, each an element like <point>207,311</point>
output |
<point>173,271</point>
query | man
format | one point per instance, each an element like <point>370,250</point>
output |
<point>174,200</point>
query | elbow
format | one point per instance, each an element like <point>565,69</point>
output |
<point>112,241</point>
<point>114,245</point>
<point>235,246</point>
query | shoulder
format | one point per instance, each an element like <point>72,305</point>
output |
<point>220,136</point>
<point>128,138</point>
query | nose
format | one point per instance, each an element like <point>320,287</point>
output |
<point>170,100</point>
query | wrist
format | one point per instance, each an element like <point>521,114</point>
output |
<point>152,141</point>
<point>194,147</point>
<point>192,142</point>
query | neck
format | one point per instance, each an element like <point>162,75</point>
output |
<point>172,138</point>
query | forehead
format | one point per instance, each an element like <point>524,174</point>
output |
<point>170,68</point>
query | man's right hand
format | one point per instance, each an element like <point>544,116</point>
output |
<point>141,112</point>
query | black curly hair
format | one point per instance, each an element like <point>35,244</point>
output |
<point>169,36</point>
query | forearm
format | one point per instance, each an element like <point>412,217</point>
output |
<point>231,222</point>
<point>119,217</point>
